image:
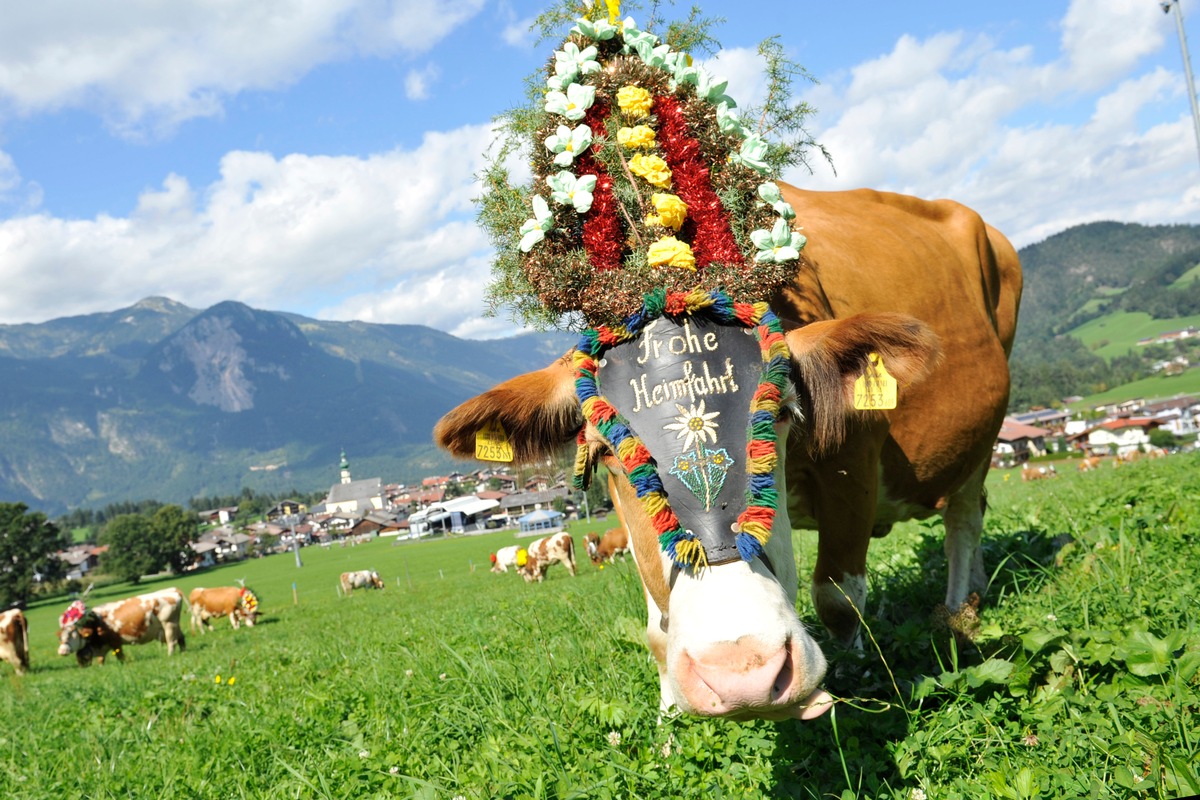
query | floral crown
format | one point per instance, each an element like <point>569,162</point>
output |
<point>646,178</point>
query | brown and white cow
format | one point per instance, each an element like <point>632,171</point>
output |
<point>236,602</point>
<point>504,558</point>
<point>542,553</point>
<point>1031,473</point>
<point>93,632</point>
<point>14,640</point>
<point>360,579</point>
<point>614,542</point>
<point>933,290</point>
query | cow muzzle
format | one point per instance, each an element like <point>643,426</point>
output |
<point>736,648</point>
<point>750,679</point>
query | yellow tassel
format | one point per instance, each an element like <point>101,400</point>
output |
<point>588,405</point>
<point>690,552</point>
<point>763,465</point>
<point>614,10</point>
<point>625,448</point>
<point>756,529</point>
<point>581,458</point>
<point>653,503</point>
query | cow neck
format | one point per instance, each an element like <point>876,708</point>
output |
<point>752,529</point>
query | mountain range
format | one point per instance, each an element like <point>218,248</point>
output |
<point>168,402</point>
<point>162,401</point>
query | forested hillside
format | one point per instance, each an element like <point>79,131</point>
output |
<point>1083,273</point>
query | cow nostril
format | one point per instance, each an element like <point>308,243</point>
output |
<point>786,672</point>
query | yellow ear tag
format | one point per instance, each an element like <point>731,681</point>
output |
<point>875,389</point>
<point>492,443</point>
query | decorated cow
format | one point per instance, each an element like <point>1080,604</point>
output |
<point>360,579</point>
<point>91,633</point>
<point>504,558</point>
<point>236,602</point>
<point>14,640</point>
<point>756,357</point>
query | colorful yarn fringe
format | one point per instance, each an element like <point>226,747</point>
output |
<point>754,524</point>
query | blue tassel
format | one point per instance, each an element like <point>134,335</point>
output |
<point>748,547</point>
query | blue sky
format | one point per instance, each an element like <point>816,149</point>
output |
<point>317,156</point>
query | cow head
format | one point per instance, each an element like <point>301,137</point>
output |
<point>80,630</point>
<point>592,543</point>
<point>722,618</point>
<point>376,581</point>
<point>248,607</point>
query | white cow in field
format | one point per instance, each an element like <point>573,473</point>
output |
<point>504,558</point>
<point>556,549</point>
<point>361,579</point>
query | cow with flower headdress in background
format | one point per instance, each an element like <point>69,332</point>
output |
<point>236,602</point>
<point>92,633</point>
<point>755,357</point>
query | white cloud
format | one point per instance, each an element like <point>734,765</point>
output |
<point>417,82</point>
<point>299,231</point>
<point>147,66</point>
<point>948,116</point>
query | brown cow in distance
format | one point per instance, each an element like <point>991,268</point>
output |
<point>94,632</point>
<point>614,542</point>
<point>929,288</point>
<point>14,640</point>
<point>236,602</point>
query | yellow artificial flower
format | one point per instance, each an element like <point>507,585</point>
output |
<point>637,136</point>
<point>653,169</point>
<point>671,211</point>
<point>670,252</point>
<point>634,101</point>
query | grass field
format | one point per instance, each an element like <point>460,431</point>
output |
<point>1117,333</point>
<point>453,682</point>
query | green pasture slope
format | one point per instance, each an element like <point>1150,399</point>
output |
<point>1081,680</point>
<point>1117,333</point>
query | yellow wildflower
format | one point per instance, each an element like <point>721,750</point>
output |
<point>637,136</point>
<point>671,211</point>
<point>653,169</point>
<point>634,101</point>
<point>670,252</point>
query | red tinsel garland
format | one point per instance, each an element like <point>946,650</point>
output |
<point>602,237</point>
<point>712,239</point>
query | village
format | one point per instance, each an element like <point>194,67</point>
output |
<point>487,499</point>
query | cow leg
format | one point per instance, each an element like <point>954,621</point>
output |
<point>656,638</point>
<point>964,529</point>
<point>845,515</point>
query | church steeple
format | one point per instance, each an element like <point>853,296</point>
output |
<point>345,467</point>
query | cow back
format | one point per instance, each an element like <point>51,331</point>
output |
<point>967,290</point>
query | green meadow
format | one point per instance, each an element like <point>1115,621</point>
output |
<point>1079,678</point>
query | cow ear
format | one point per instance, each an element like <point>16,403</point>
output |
<point>831,355</point>
<point>538,411</point>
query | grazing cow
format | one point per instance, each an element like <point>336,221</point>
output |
<point>92,632</point>
<point>556,549</point>
<point>14,640</point>
<point>504,558</point>
<point>1032,473</point>
<point>1090,464</point>
<point>362,579</point>
<point>927,286</point>
<point>236,602</point>
<point>615,542</point>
